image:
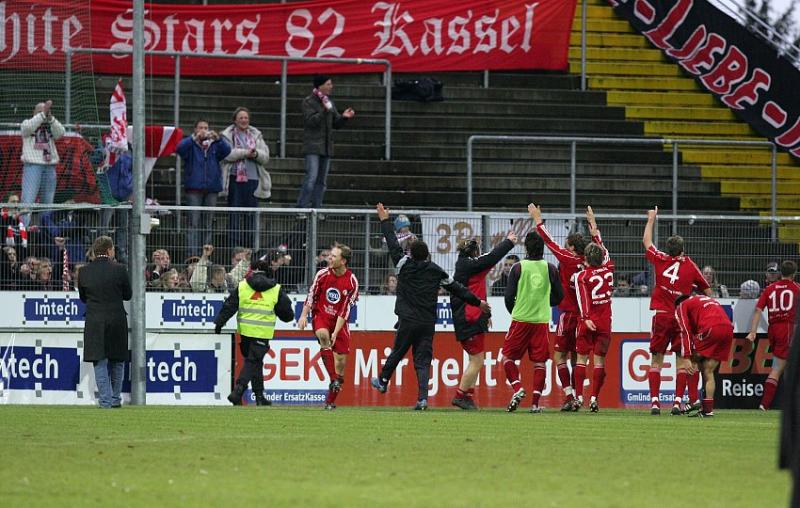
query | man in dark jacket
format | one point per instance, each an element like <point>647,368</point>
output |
<point>319,119</point>
<point>202,178</point>
<point>256,301</point>
<point>471,324</point>
<point>790,420</point>
<point>103,285</point>
<point>418,283</point>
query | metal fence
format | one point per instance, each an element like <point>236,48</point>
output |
<point>295,241</point>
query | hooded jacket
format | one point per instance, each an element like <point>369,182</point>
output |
<point>259,282</point>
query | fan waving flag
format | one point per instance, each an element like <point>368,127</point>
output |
<point>117,141</point>
<point>160,141</point>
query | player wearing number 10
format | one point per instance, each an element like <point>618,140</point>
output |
<point>675,275</point>
<point>780,300</point>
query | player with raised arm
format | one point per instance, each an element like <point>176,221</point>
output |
<point>675,275</point>
<point>570,261</point>
<point>780,300</point>
<point>706,337</point>
<point>330,298</point>
<point>593,287</point>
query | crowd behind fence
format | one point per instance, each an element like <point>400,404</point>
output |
<point>47,255</point>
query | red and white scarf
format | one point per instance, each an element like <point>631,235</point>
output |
<point>326,102</point>
<point>242,139</point>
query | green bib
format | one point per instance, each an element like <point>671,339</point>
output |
<point>533,293</point>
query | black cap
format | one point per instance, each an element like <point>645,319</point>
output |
<point>320,79</point>
<point>773,268</point>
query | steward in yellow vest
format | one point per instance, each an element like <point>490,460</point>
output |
<point>256,302</point>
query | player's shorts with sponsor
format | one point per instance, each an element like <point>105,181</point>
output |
<point>565,332</point>
<point>715,342</point>
<point>664,333</point>
<point>342,344</point>
<point>530,337</point>
<point>780,338</point>
<point>475,344</point>
<point>596,342</point>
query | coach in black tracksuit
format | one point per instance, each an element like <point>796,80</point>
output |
<point>418,283</point>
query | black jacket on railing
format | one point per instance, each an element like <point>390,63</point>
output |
<point>418,283</point>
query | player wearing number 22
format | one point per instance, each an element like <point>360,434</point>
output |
<point>780,300</point>
<point>675,275</point>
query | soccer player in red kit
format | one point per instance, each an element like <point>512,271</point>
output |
<point>593,287</point>
<point>780,300</point>
<point>706,335</point>
<point>332,294</point>
<point>675,275</point>
<point>570,262</point>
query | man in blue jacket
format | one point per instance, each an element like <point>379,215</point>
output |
<point>202,176</point>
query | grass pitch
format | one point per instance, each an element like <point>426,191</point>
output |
<point>279,456</point>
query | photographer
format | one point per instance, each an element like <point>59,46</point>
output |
<point>202,176</point>
<point>39,156</point>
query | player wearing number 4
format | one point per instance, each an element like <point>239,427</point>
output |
<point>780,300</point>
<point>332,294</point>
<point>593,286</point>
<point>675,275</point>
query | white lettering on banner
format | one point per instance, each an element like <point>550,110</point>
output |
<point>187,309</point>
<point>393,27</point>
<point>171,371</point>
<point>41,368</point>
<point>484,30</point>
<point>741,388</point>
<point>44,309</point>
<point>70,27</point>
<point>192,40</point>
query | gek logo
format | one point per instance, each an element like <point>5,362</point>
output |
<point>294,363</point>
<point>635,357</point>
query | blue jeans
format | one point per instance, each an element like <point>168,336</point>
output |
<point>38,180</point>
<point>199,221</point>
<point>121,230</point>
<point>315,181</point>
<point>241,224</point>
<point>108,376</point>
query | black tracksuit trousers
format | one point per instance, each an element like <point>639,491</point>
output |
<point>419,337</point>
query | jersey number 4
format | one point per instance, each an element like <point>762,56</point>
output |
<point>671,273</point>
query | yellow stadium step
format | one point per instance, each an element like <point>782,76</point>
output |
<point>599,11</point>
<point>616,25</point>
<point>639,84</point>
<point>609,40</point>
<point>675,99</point>
<point>715,129</point>
<point>723,155</point>
<point>627,69</point>
<point>786,204</point>
<point>753,187</point>
<point>764,172</point>
<point>673,113</point>
<point>594,54</point>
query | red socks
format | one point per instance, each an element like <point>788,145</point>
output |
<point>708,405</point>
<point>512,374</point>
<point>694,381</point>
<point>461,394</point>
<point>563,376</point>
<point>539,374</point>
<point>769,392</point>
<point>327,359</point>
<point>598,376</point>
<point>331,398</point>
<point>654,378</point>
<point>680,385</point>
<point>580,375</point>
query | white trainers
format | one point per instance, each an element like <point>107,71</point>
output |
<point>516,399</point>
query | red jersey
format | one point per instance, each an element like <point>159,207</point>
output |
<point>696,315</point>
<point>569,263</point>
<point>675,276</point>
<point>331,295</point>
<point>593,287</point>
<point>780,300</point>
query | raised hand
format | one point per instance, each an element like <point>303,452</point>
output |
<point>383,212</point>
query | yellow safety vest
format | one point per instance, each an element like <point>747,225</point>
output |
<point>256,317</point>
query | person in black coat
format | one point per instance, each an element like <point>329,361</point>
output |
<point>790,419</point>
<point>103,286</point>
<point>418,283</point>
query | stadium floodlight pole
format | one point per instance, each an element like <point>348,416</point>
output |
<point>469,173</point>
<point>284,79</point>
<point>774,208</point>
<point>584,15</point>
<point>68,87</point>
<point>675,187</point>
<point>573,175</point>
<point>138,379</point>
<point>176,119</point>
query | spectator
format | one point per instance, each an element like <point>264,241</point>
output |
<point>76,271</point>
<point>10,274</point>
<point>749,290</point>
<point>39,156</point>
<point>402,229</point>
<point>9,217</point>
<point>160,264</point>
<point>771,274</point>
<point>717,290</point>
<point>27,270</point>
<point>202,176</point>
<point>245,179</point>
<point>322,259</point>
<point>200,277</point>
<point>169,281</point>
<point>240,266</point>
<point>743,308</point>
<point>64,231</point>
<point>320,117</point>
<point>43,276</point>
<point>389,285</point>
<point>622,286</point>
<point>499,286</point>
<point>217,282</point>
<point>279,263</point>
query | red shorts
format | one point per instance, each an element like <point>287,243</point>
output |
<point>474,345</point>
<point>715,343</point>
<point>589,341</point>
<point>342,344</point>
<point>530,337</point>
<point>780,338</point>
<point>665,332</point>
<point>566,332</point>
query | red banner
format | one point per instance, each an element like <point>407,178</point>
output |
<point>416,35</point>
